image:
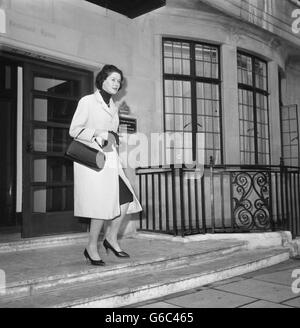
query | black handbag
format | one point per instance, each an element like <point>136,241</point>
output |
<point>80,153</point>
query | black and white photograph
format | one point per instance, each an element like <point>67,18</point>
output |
<point>149,157</point>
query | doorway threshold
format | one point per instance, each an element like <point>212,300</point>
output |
<point>10,234</point>
<point>15,243</point>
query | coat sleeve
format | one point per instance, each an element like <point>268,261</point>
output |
<point>78,128</point>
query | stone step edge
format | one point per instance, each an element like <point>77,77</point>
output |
<point>161,289</point>
<point>254,240</point>
<point>34,286</point>
<point>43,242</point>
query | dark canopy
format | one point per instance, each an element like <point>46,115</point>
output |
<point>130,8</point>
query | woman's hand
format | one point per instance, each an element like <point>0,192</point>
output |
<point>112,134</point>
<point>113,139</point>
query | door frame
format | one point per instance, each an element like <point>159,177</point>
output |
<point>38,224</point>
<point>11,94</point>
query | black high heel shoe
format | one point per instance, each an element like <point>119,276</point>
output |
<point>108,246</point>
<point>93,262</point>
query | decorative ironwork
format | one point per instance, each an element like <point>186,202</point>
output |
<point>251,200</point>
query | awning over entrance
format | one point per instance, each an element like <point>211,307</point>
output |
<point>130,8</point>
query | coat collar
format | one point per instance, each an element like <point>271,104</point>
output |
<point>109,110</point>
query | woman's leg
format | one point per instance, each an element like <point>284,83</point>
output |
<point>92,248</point>
<point>113,228</point>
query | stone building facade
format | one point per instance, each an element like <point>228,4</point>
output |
<point>226,69</point>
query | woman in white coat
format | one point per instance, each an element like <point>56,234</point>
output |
<point>107,194</point>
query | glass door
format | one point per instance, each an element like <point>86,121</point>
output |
<point>51,94</point>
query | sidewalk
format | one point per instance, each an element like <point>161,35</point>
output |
<point>266,288</point>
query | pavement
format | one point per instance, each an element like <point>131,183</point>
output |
<point>267,288</point>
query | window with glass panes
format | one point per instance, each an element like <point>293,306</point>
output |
<point>192,105</point>
<point>253,110</point>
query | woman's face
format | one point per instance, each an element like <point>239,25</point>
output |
<point>112,83</point>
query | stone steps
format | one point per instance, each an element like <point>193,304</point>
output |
<point>65,277</point>
<point>136,281</point>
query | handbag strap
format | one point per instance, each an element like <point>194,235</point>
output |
<point>98,143</point>
<point>94,139</point>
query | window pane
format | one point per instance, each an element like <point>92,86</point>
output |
<point>52,169</point>
<point>187,89</point>
<point>188,124</point>
<point>245,73</point>
<point>169,88</point>
<point>39,201</point>
<point>186,67</point>
<point>178,88</point>
<point>262,129</point>
<point>53,110</point>
<point>177,50</point>
<point>176,58</point>
<point>290,135</point>
<point>168,65</point>
<point>178,123</point>
<point>214,71</point>
<point>50,139</point>
<point>7,75</point>
<point>168,49</point>
<point>178,105</point>
<point>56,86</point>
<point>247,140</point>
<point>186,51</point>
<point>40,140</point>
<point>199,68</point>
<point>208,117</point>
<point>169,122</point>
<point>53,200</point>
<point>187,106</point>
<point>177,66</point>
<point>261,74</point>
<point>169,105</point>
<point>206,61</point>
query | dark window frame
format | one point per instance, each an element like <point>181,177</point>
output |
<point>256,91</point>
<point>193,79</point>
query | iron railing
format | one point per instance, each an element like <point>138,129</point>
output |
<point>223,198</point>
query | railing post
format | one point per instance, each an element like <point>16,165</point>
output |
<point>212,198</point>
<point>140,197</point>
<point>285,198</point>
<point>174,203</point>
<point>282,194</point>
<point>182,205</point>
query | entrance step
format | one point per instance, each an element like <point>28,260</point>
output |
<point>58,278</point>
<point>43,272</point>
<point>40,242</point>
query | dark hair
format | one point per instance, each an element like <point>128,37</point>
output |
<point>105,72</point>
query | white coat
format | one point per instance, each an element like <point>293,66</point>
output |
<point>96,194</point>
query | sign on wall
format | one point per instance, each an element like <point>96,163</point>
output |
<point>127,124</point>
